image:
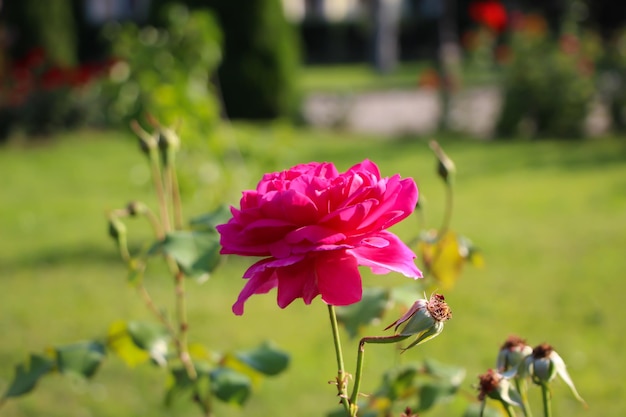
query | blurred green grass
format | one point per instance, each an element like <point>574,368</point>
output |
<point>549,216</point>
<point>358,78</point>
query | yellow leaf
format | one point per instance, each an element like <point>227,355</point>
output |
<point>231,361</point>
<point>120,342</point>
<point>443,258</point>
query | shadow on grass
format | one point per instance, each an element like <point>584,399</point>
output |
<point>480,157</point>
<point>68,256</point>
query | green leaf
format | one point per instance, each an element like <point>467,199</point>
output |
<point>452,375</point>
<point>180,385</point>
<point>208,221</point>
<point>364,313</point>
<point>444,382</point>
<point>230,386</point>
<point>27,374</point>
<point>432,393</point>
<point>196,252</point>
<point>266,359</point>
<point>399,382</point>
<point>83,358</point>
<point>151,337</point>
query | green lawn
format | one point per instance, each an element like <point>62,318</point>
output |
<point>355,78</point>
<point>549,216</point>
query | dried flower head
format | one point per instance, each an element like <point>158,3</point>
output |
<point>512,353</point>
<point>492,384</point>
<point>425,319</point>
<point>544,364</point>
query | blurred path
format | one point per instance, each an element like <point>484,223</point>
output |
<point>395,112</point>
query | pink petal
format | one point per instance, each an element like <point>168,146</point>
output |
<point>259,283</point>
<point>350,217</point>
<point>394,257</point>
<point>398,201</point>
<point>292,206</point>
<point>338,278</point>
<point>314,234</point>
<point>367,166</point>
<point>252,239</point>
<point>296,281</point>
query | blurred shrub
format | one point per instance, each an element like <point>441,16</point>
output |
<point>46,24</point>
<point>258,75</point>
<point>165,72</point>
<point>548,85</point>
<point>612,83</point>
<point>40,97</point>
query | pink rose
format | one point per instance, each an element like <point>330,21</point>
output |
<point>313,226</point>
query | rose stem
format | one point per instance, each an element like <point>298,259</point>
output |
<point>342,389</point>
<point>547,406</point>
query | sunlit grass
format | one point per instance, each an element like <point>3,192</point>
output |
<point>549,216</point>
<point>358,78</point>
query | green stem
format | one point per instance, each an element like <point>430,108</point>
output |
<point>447,218</point>
<point>147,298</point>
<point>122,243</point>
<point>357,377</point>
<point>509,409</point>
<point>547,401</point>
<point>155,167</point>
<point>123,248</point>
<point>359,365</point>
<point>175,190</point>
<point>149,144</point>
<point>154,222</point>
<point>522,388</point>
<point>183,326</point>
<point>168,182</point>
<point>445,225</point>
<point>342,388</point>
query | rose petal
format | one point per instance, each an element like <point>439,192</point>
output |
<point>296,281</point>
<point>264,264</point>
<point>314,234</point>
<point>394,257</point>
<point>367,166</point>
<point>338,278</point>
<point>259,283</point>
<point>398,201</point>
<point>290,206</point>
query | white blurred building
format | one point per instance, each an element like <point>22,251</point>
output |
<point>98,12</point>
<point>326,10</point>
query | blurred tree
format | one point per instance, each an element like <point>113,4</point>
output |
<point>449,59</point>
<point>46,24</point>
<point>257,77</point>
<point>386,19</point>
<point>608,16</point>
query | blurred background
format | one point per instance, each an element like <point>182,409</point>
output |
<point>485,68</point>
<point>528,98</point>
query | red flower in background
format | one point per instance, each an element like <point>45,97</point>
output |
<point>490,13</point>
<point>35,72</point>
<point>54,77</point>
